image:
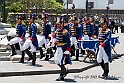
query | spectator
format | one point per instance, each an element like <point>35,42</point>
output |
<point>112,26</point>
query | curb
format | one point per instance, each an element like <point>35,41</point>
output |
<point>6,74</point>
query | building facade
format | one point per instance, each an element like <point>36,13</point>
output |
<point>98,4</point>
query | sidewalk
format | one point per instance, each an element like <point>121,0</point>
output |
<point>9,68</point>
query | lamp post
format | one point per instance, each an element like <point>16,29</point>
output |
<point>3,12</point>
<point>67,12</point>
<point>36,11</point>
<point>86,6</point>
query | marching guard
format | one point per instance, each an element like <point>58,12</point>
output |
<point>91,28</point>
<point>104,52</point>
<point>96,26</point>
<point>65,25</point>
<point>62,55</point>
<point>86,30</point>
<point>20,36</point>
<point>45,38</point>
<point>102,19</point>
<point>75,31</point>
<point>31,42</point>
<point>56,19</point>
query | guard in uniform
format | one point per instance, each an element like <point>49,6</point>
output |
<point>96,27</point>
<point>76,35</point>
<point>31,41</point>
<point>91,28</point>
<point>102,20</point>
<point>86,30</point>
<point>56,19</point>
<point>104,53</point>
<point>20,36</point>
<point>62,55</point>
<point>81,22</point>
<point>65,25</point>
<point>45,38</point>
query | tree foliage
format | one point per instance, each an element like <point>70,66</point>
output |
<point>60,1</point>
<point>16,7</point>
<point>58,8</point>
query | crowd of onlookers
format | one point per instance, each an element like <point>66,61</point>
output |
<point>116,24</point>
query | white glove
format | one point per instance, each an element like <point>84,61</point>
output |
<point>66,52</point>
<point>21,39</point>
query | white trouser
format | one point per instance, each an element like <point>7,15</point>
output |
<point>102,55</point>
<point>27,44</point>
<point>74,41</point>
<point>42,41</point>
<point>17,40</point>
<point>58,56</point>
<point>51,43</point>
<point>85,37</point>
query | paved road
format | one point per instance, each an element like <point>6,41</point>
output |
<point>89,76</point>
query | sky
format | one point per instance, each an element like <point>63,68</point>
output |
<point>118,4</point>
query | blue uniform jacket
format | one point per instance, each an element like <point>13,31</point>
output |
<point>77,30</point>
<point>66,27</point>
<point>47,30</point>
<point>54,29</point>
<point>91,29</point>
<point>82,26</point>
<point>20,30</point>
<point>32,33</point>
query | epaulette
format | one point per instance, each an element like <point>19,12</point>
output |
<point>92,23</point>
<point>107,30</point>
<point>65,24</point>
<point>100,30</point>
<point>65,32</point>
<point>48,24</point>
<point>56,31</point>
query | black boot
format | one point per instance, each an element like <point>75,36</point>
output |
<point>67,71</point>
<point>72,50</point>
<point>29,54</point>
<point>102,65</point>
<point>82,51</point>
<point>51,53</point>
<point>106,71</point>
<point>77,55</point>
<point>34,58</point>
<point>13,50</point>
<point>41,53</point>
<point>47,58</point>
<point>62,75</point>
<point>22,58</point>
<point>61,78</point>
<point>47,55</point>
<point>63,70</point>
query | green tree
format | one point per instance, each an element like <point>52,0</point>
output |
<point>16,7</point>
<point>52,4</point>
<point>60,1</point>
<point>58,8</point>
